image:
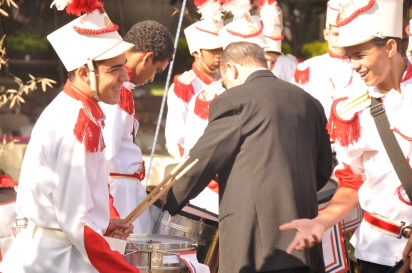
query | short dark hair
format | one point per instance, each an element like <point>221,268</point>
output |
<point>150,36</point>
<point>381,42</point>
<point>243,53</point>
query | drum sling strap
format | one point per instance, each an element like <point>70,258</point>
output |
<point>401,166</point>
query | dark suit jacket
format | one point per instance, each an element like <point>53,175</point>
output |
<point>268,143</point>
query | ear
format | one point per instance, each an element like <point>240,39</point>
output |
<point>391,47</point>
<point>233,69</point>
<point>83,74</point>
<point>148,58</point>
<point>326,34</point>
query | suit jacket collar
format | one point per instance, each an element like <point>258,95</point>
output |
<point>258,74</point>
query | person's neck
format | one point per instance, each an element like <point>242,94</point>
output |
<point>394,78</point>
<point>199,64</point>
<point>83,88</point>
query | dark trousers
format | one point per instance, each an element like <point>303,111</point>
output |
<point>368,267</point>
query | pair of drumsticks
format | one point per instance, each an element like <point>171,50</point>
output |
<point>158,192</point>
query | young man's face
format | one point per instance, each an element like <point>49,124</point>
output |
<point>372,63</point>
<point>331,35</point>
<point>212,57</point>
<point>271,58</point>
<point>110,76</point>
<point>146,73</point>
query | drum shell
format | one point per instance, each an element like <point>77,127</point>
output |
<point>206,236</point>
<point>153,248</point>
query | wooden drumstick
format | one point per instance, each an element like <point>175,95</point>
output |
<point>155,190</point>
<point>133,216</point>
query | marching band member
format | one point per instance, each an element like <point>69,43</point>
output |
<point>205,47</point>
<point>370,33</point>
<point>271,15</point>
<point>63,188</point>
<point>152,51</point>
<point>327,76</point>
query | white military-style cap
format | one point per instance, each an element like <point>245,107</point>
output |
<point>271,17</point>
<point>360,21</point>
<point>244,27</point>
<point>91,37</point>
<point>204,34</point>
<point>332,11</point>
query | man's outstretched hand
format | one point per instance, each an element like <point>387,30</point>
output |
<point>308,233</point>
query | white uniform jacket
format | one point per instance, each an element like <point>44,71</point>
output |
<point>326,77</point>
<point>365,166</point>
<point>182,90</point>
<point>125,158</point>
<point>285,68</point>
<point>196,123</point>
<point>63,189</point>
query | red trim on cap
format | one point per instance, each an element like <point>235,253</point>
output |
<point>96,31</point>
<point>246,35</point>
<point>341,22</point>
<point>280,38</point>
<point>207,31</point>
<point>386,226</point>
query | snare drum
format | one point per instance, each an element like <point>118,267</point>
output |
<point>157,253</point>
<point>199,227</point>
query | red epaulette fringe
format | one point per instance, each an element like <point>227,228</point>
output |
<point>183,91</point>
<point>126,102</point>
<point>345,132</point>
<point>302,76</point>
<point>88,132</point>
<point>202,107</point>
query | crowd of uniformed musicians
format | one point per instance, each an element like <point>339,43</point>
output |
<point>81,164</point>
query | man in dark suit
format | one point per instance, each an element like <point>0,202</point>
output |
<point>267,142</point>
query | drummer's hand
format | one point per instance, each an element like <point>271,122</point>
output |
<point>308,233</point>
<point>407,252</point>
<point>163,197</point>
<point>123,230</point>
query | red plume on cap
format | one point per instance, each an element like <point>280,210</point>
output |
<point>262,2</point>
<point>198,3</point>
<point>77,7</point>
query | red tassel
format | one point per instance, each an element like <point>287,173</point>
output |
<point>78,6</point>
<point>343,131</point>
<point>126,102</point>
<point>130,73</point>
<point>88,132</point>
<point>302,76</point>
<point>183,91</point>
<point>202,107</point>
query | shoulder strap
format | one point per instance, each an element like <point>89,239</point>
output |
<point>401,166</point>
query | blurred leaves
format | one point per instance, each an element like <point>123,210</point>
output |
<point>314,48</point>
<point>9,3</point>
<point>15,96</point>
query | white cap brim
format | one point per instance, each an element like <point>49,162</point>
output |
<point>115,51</point>
<point>351,41</point>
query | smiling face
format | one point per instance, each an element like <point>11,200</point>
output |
<point>212,57</point>
<point>141,63</point>
<point>372,63</point>
<point>110,76</point>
